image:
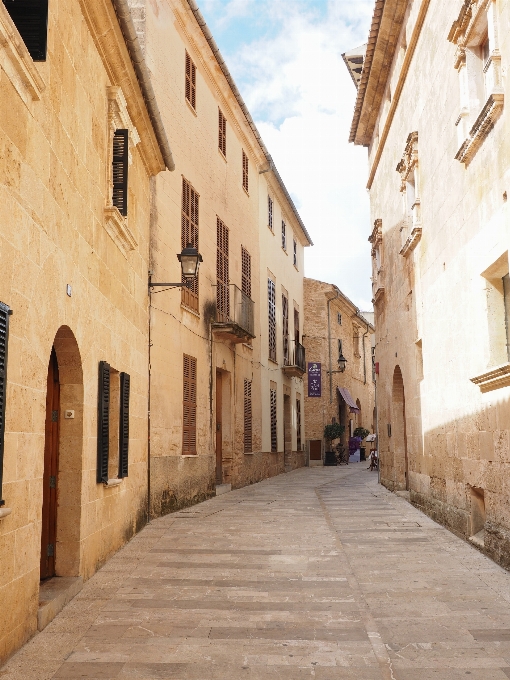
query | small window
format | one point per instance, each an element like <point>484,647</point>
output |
<point>31,19</point>
<point>339,318</point>
<point>284,235</point>
<point>295,253</point>
<point>340,349</point>
<point>248,445</point>
<point>189,402</point>
<point>298,423</point>
<point>222,273</point>
<point>245,172</point>
<point>270,212</point>
<point>271,299</point>
<point>191,82</point>
<point>274,422</point>
<point>222,133</point>
<point>120,171</point>
<point>246,272</point>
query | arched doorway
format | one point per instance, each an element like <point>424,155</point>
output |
<point>399,431</point>
<point>62,476</point>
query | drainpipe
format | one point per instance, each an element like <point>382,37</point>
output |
<point>144,79</point>
<point>330,300</point>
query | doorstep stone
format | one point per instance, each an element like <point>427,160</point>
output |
<point>223,488</point>
<point>54,594</point>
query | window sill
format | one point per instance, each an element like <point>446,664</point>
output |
<point>112,482</point>
<point>5,512</point>
<point>494,379</point>
<point>271,230</point>
<point>222,155</point>
<point>489,114</point>
<point>411,242</point>
<point>189,455</point>
<point>193,111</point>
<point>285,251</point>
<point>117,227</point>
<point>249,453</point>
<point>273,361</point>
<point>191,311</point>
<point>246,192</point>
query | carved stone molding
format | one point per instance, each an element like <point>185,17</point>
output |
<point>411,242</point>
<point>117,227</point>
<point>375,237</point>
<point>118,116</point>
<point>409,160</point>
<point>16,61</point>
<point>469,15</point>
<point>378,295</point>
<point>493,379</point>
<point>483,125</point>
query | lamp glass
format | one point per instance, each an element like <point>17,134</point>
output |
<point>190,262</point>
<point>342,363</point>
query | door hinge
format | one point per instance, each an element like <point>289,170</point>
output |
<point>53,482</point>
<point>50,552</point>
<point>54,416</point>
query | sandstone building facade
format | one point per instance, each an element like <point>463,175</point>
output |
<point>432,109</point>
<point>334,328</point>
<point>78,148</point>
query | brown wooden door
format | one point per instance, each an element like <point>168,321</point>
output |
<point>316,449</point>
<point>50,476</point>
<point>219,428</point>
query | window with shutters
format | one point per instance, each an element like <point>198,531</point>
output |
<point>271,299</point>
<point>248,445</point>
<point>5,312</point>
<point>270,212</point>
<point>112,424</point>
<point>191,82</point>
<point>298,423</point>
<point>284,236</point>
<point>295,253</point>
<point>245,172</point>
<point>296,326</point>
<point>222,274</point>
<point>285,328</point>
<point>340,349</point>
<point>189,235</point>
<point>189,403</point>
<point>222,133</point>
<point>274,422</point>
<point>339,319</point>
<point>31,19</point>
<point>120,171</point>
<point>246,272</point>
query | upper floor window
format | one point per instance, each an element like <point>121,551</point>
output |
<point>31,19</point>
<point>295,253</point>
<point>284,235</point>
<point>191,82</point>
<point>245,172</point>
<point>340,349</point>
<point>120,165</point>
<point>271,314</point>
<point>222,272</point>
<point>189,236</point>
<point>245,272</point>
<point>5,313</point>
<point>270,212</point>
<point>408,169</point>
<point>339,318</point>
<point>222,133</point>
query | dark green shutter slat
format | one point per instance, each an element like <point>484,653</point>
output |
<point>120,170</point>
<point>125,382</point>
<point>4,338</point>
<point>31,19</point>
<point>103,422</point>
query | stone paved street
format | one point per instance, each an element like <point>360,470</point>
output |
<point>319,573</point>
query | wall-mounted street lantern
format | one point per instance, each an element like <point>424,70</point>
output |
<point>190,260</point>
<point>342,363</point>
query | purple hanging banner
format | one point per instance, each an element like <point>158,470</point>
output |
<point>314,379</point>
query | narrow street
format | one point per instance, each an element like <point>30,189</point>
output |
<point>319,573</point>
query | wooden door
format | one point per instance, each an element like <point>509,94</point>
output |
<point>316,449</point>
<point>50,476</point>
<point>219,428</point>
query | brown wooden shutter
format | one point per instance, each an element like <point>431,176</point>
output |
<point>248,428</point>
<point>245,172</point>
<point>189,234</point>
<point>120,170</point>
<point>295,254</point>
<point>189,421</point>
<point>246,272</point>
<point>296,326</point>
<point>271,299</point>
<point>222,273</point>
<point>298,423</point>
<point>103,422</point>
<point>274,424</point>
<point>31,19</point>
<point>191,82</point>
<point>285,328</point>
<point>222,133</point>
<point>125,383</point>
<point>284,235</point>
<point>270,212</point>
<point>5,312</point>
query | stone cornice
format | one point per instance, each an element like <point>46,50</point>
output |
<point>105,30</point>
<point>482,127</point>
<point>469,15</point>
<point>411,242</point>
<point>117,227</point>
<point>16,61</point>
<point>409,159</point>
<point>493,379</point>
<point>375,237</point>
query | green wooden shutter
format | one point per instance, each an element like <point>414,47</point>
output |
<point>103,422</point>
<point>31,19</point>
<point>5,312</point>
<point>125,382</point>
<point>120,170</point>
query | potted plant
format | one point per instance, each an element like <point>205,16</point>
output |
<point>362,433</point>
<point>332,432</point>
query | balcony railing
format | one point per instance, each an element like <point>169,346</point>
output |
<point>294,360</point>
<point>234,314</point>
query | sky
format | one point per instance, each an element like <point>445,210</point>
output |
<point>286,59</point>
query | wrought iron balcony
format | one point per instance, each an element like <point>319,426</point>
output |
<point>294,361</point>
<point>234,314</point>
